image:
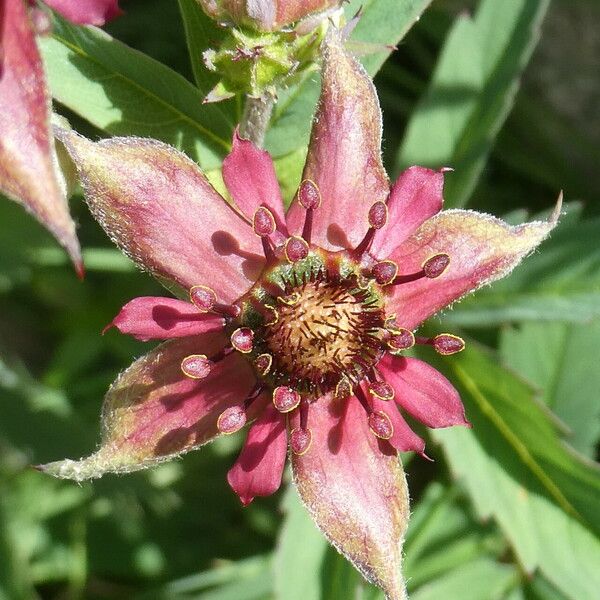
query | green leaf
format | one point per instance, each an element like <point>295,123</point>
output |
<point>299,555</point>
<point>242,580</point>
<point>471,92</point>
<point>201,33</point>
<point>124,92</point>
<point>443,535</point>
<point>518,471</point>
<point>560,360</point>
<point>383,22</point>
<point>482,579</point>
<point>560,283</point>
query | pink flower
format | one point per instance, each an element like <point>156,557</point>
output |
<point>28,166</point>
<point>265,15</point>
<point>295,322</point>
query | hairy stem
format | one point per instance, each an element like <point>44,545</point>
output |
<point>256,117</point>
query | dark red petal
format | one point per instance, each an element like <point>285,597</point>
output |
<point>259,467</point>
<point>423,391</point>
<point>415,197</point>
<point>154,318</point>
<point>249,175</point>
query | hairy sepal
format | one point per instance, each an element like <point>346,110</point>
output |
<point>153,412</point>
<point>354,488</point>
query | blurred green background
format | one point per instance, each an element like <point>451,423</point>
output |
<point>504,512</point>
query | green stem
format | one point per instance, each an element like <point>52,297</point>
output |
<point>256,117</point>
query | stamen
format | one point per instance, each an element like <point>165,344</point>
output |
<point>290,300</point>
<point>285,399</point>
<point>444,343</point>
<point>378,216</point>
<point>401,339</point>
<point>432,268</point>
<point>364,399</point>
<point>242,339</point>
<point>380,425</point>
<point>385,272</point>
<point>263,222</point>
<point>309,197</point>
<point>205,300</point>
<point>295,249</point>
<point>273,315</point>
<point>301,437</point>
<point>196,366</point>
<point>263,364</point>
<point>232,419</point>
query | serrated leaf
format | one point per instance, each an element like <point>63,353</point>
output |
<point>517,470</point>
<point>124,92</point>
<point>471,92</point>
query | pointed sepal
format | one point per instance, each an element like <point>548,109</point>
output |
<point>354,487</point>
<point>29,172</point>
<point>154,412</point>
<point>480,249</point>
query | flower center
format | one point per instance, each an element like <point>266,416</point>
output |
<point>317,326</point>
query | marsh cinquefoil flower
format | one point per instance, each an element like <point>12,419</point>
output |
<point>295,322</point>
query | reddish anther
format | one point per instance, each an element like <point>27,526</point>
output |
<point>263,222</point>
<point>263,364</point>
<point>378,215</point>
<point>204,298</point>
<point>343,389</point>
<point>447,344</point>
<point>285,399</point>
<point>382,390</point>
<point>436,265</point>
<point>401,339</point>
<point>380,425</point>
<point>232,419</point>
<point>196,366</point>
<point>242,339</point>
<point>385,272</point>
<point>309,195</point>
<point>296,249</point>
<point>300,440</point>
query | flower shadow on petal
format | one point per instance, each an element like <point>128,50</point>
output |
<point>225,244</point>
<point>256,451</point>
<point>168,317</point>
<point>336,236</point>
<point>337,410</point>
